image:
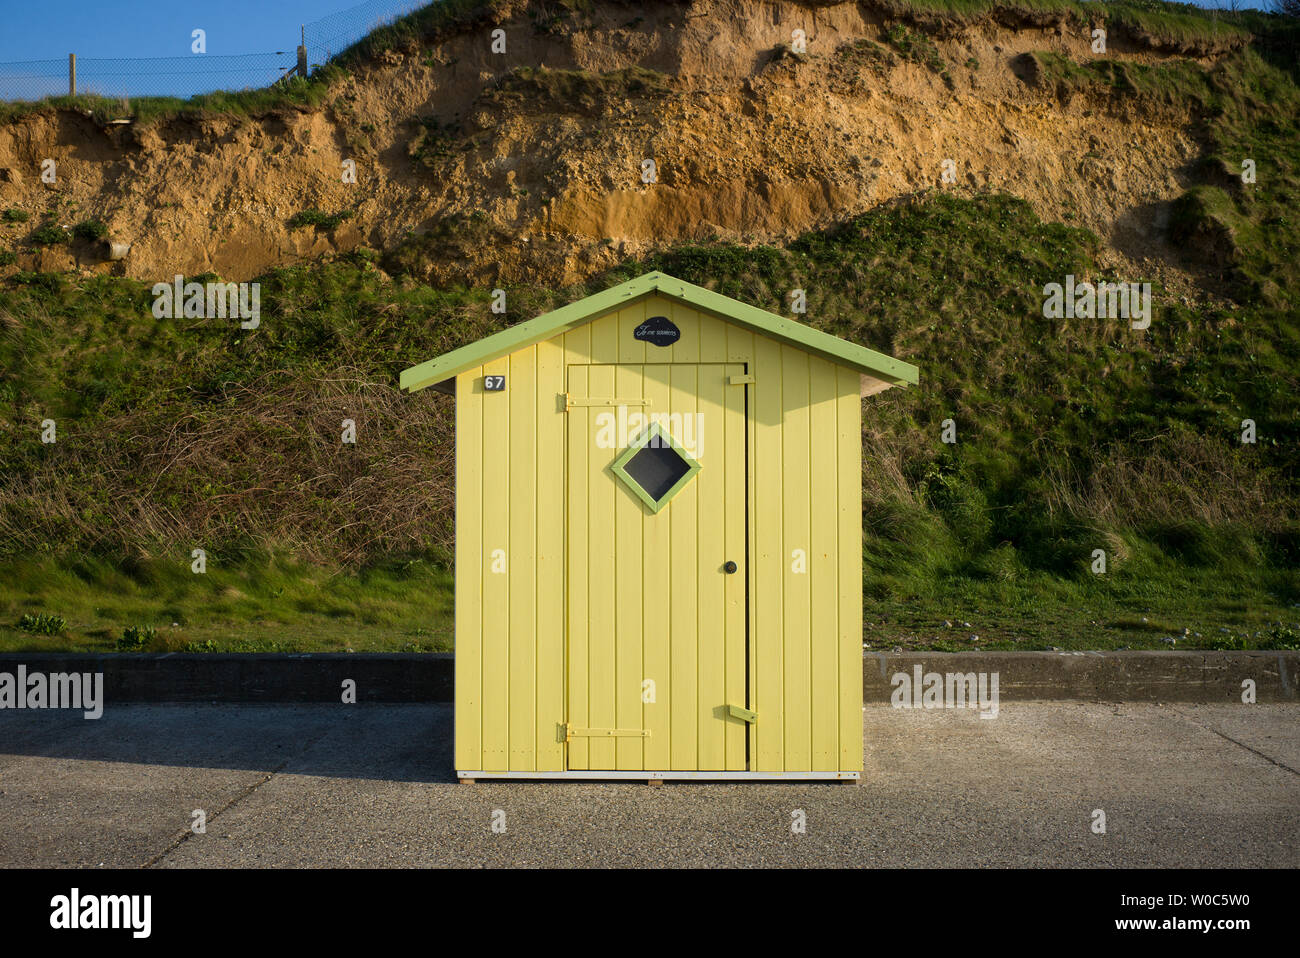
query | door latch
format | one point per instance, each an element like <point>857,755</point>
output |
<point>571,732</point>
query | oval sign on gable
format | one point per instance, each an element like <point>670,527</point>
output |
<point>658,331</point>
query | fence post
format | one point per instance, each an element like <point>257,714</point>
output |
<point>72,74</point>
<point>302,61</point>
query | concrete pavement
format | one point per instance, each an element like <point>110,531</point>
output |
<point>1182,785</point>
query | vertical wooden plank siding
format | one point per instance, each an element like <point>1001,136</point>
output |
<point>601,568</point>
<point>469,571</point>
<point>690,348</point>
<point>631,351</point>
<point>765,627</point>
<point>549,427</point>
<point>656,558</point>
<point>741,349</point>
<point>599,594</point>
<point>795,490</point>
<point>732,446</point>
<point>682,516</point>
<point>496,583</point>
<point>521,561</point>
<point>629,593</point>
<point>711,489</point>
<point>604,343</point>
<point>823,564</point>
<point>849,469</point>
<point>577,601</point>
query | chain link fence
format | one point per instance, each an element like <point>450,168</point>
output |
<point>201,73</point>
<point>330,36</point>
<point>33,79</point>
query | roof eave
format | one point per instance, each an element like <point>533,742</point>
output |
<point>442,369</point>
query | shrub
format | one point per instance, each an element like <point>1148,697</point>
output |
<point>135,638</point>
<point>42,624</point>
<point>15,216</point>
<point>1282,639</point>
<point>49,235</point>
<point>90,230</point>
<point>961,503</point>
<point>53,283</point>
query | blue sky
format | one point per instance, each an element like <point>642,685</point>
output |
<point>157,28</point>
<point>153,28</point>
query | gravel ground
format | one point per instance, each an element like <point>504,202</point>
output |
<point>1180,786</point>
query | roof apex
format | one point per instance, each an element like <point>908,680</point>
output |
<point>447,366</point>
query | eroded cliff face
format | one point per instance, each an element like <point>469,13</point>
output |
<point>531,164</point>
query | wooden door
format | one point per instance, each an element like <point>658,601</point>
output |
<point>656,567</point>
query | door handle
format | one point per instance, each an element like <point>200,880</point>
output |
<point>730,567</point>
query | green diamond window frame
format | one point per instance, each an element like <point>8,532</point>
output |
<point>619,467</point>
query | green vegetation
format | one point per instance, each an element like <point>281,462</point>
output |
<point>294,92</point>
<point>48,235</point>
<point>1248,106</point>
<point>558,16</point>
<point>1177,24</point>
<point>243,603</point>
<point>175,434</point>
<point>1178,82</point>
<point>90,230</point>
<point>575,90</point>
<point>434,141</point>
<point>917,48</point>
<point>1073,436</point>
<point>318,219</point>
<point>136,638</point>
<point>15,216</point>
<point>42,623</point>
<point>426,25</point>
<point>866,53</point>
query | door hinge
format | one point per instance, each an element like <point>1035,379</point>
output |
<point>740,380</point>
<point>571,401</point>
<point>571,732</point>
<point>745,715</point>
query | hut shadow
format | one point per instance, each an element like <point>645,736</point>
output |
<point>401,743</point>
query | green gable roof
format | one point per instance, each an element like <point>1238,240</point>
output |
<point>449,365</point>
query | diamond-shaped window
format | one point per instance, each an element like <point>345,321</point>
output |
<point>655,467</point>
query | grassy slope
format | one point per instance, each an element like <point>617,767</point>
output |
<point>1072,435</point>
<point>261,603</point>
<point>995,530</point>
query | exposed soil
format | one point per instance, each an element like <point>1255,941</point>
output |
<point>537,175</point>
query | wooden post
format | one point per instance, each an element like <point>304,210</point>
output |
<point>302,61</point>
<point>72,74</point>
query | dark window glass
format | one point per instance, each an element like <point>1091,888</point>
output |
<point>656,469</point>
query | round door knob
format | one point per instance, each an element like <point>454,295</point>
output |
<point>730,567</point>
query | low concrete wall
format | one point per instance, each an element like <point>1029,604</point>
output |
<point>1102,676</point>
<point>254,677</point>
<point>426,677</point>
